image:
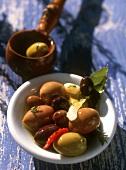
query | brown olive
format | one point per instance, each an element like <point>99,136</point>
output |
<point>44,132</point>
<point>38,116</point>
<point>59,117</point>
<point>34,101</point>
<point>87,121</point>
<point>50,90</point>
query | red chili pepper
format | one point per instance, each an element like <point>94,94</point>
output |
<point>54,136</point>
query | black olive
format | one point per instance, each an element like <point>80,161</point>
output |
<point>43,133</point>
<point>59,117</point>
<point>86,86</point>
<point>60,103</point>
<point>93,99</point>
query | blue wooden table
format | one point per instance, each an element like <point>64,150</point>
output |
<point>89,35</point>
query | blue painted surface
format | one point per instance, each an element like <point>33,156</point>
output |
<point>89,35</point>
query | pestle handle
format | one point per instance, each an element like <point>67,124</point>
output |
<point>50,16</point>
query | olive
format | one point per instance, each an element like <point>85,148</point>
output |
<point>38,116</point>
<point>70,144</point>
<point>50,90</point>
<point>37,49</point>
<point>41,136</point>
<point>86,86</point>
<point>60,103</point>
<point>93,99</point>
<point>87,121</point>
<point>34,101</point>
<point>59,117</point>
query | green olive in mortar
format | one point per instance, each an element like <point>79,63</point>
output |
<point>37,49</point>
<point>70,144</point>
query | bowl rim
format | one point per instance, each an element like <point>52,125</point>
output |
<point>52,158</point>
<point>50,39</point>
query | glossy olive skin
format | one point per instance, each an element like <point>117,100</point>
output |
<point>50,90</point>
<point>59,117</point>
<point>87,121</point>
<point>70,144</point>
<point>38,117</point>
<point>86,86</point>
<point>41,136</point>
<point>34,101</point>
<point>37,49</point>
<point>93,99</point>
<point>60,103</point>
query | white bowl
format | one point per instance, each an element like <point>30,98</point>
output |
<point>16,111</point>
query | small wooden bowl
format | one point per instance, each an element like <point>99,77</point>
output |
<point>28,67</point>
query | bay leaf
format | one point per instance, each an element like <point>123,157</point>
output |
<point>99,79</point>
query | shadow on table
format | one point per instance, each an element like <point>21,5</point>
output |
<point>76,51</point>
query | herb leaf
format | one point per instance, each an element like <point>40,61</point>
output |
<point>99,79</point>
<point>34,109</point>
<point>100,135</point>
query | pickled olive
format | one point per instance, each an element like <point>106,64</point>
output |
<point>86,86</point>
<point>59,103</point>
<point>37,49</point>
<point>59,117</point>
<point>43,133</point>
<point>87,121</point>
<point>37,117</point>
<point>70,144</point>
<point>34,101</point>
<point>50,90</point>
<point>93,99</point>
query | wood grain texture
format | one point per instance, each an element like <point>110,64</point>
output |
<point>89,35</point>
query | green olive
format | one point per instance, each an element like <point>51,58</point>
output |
<point>70,144</point>
<point>37,49</point>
